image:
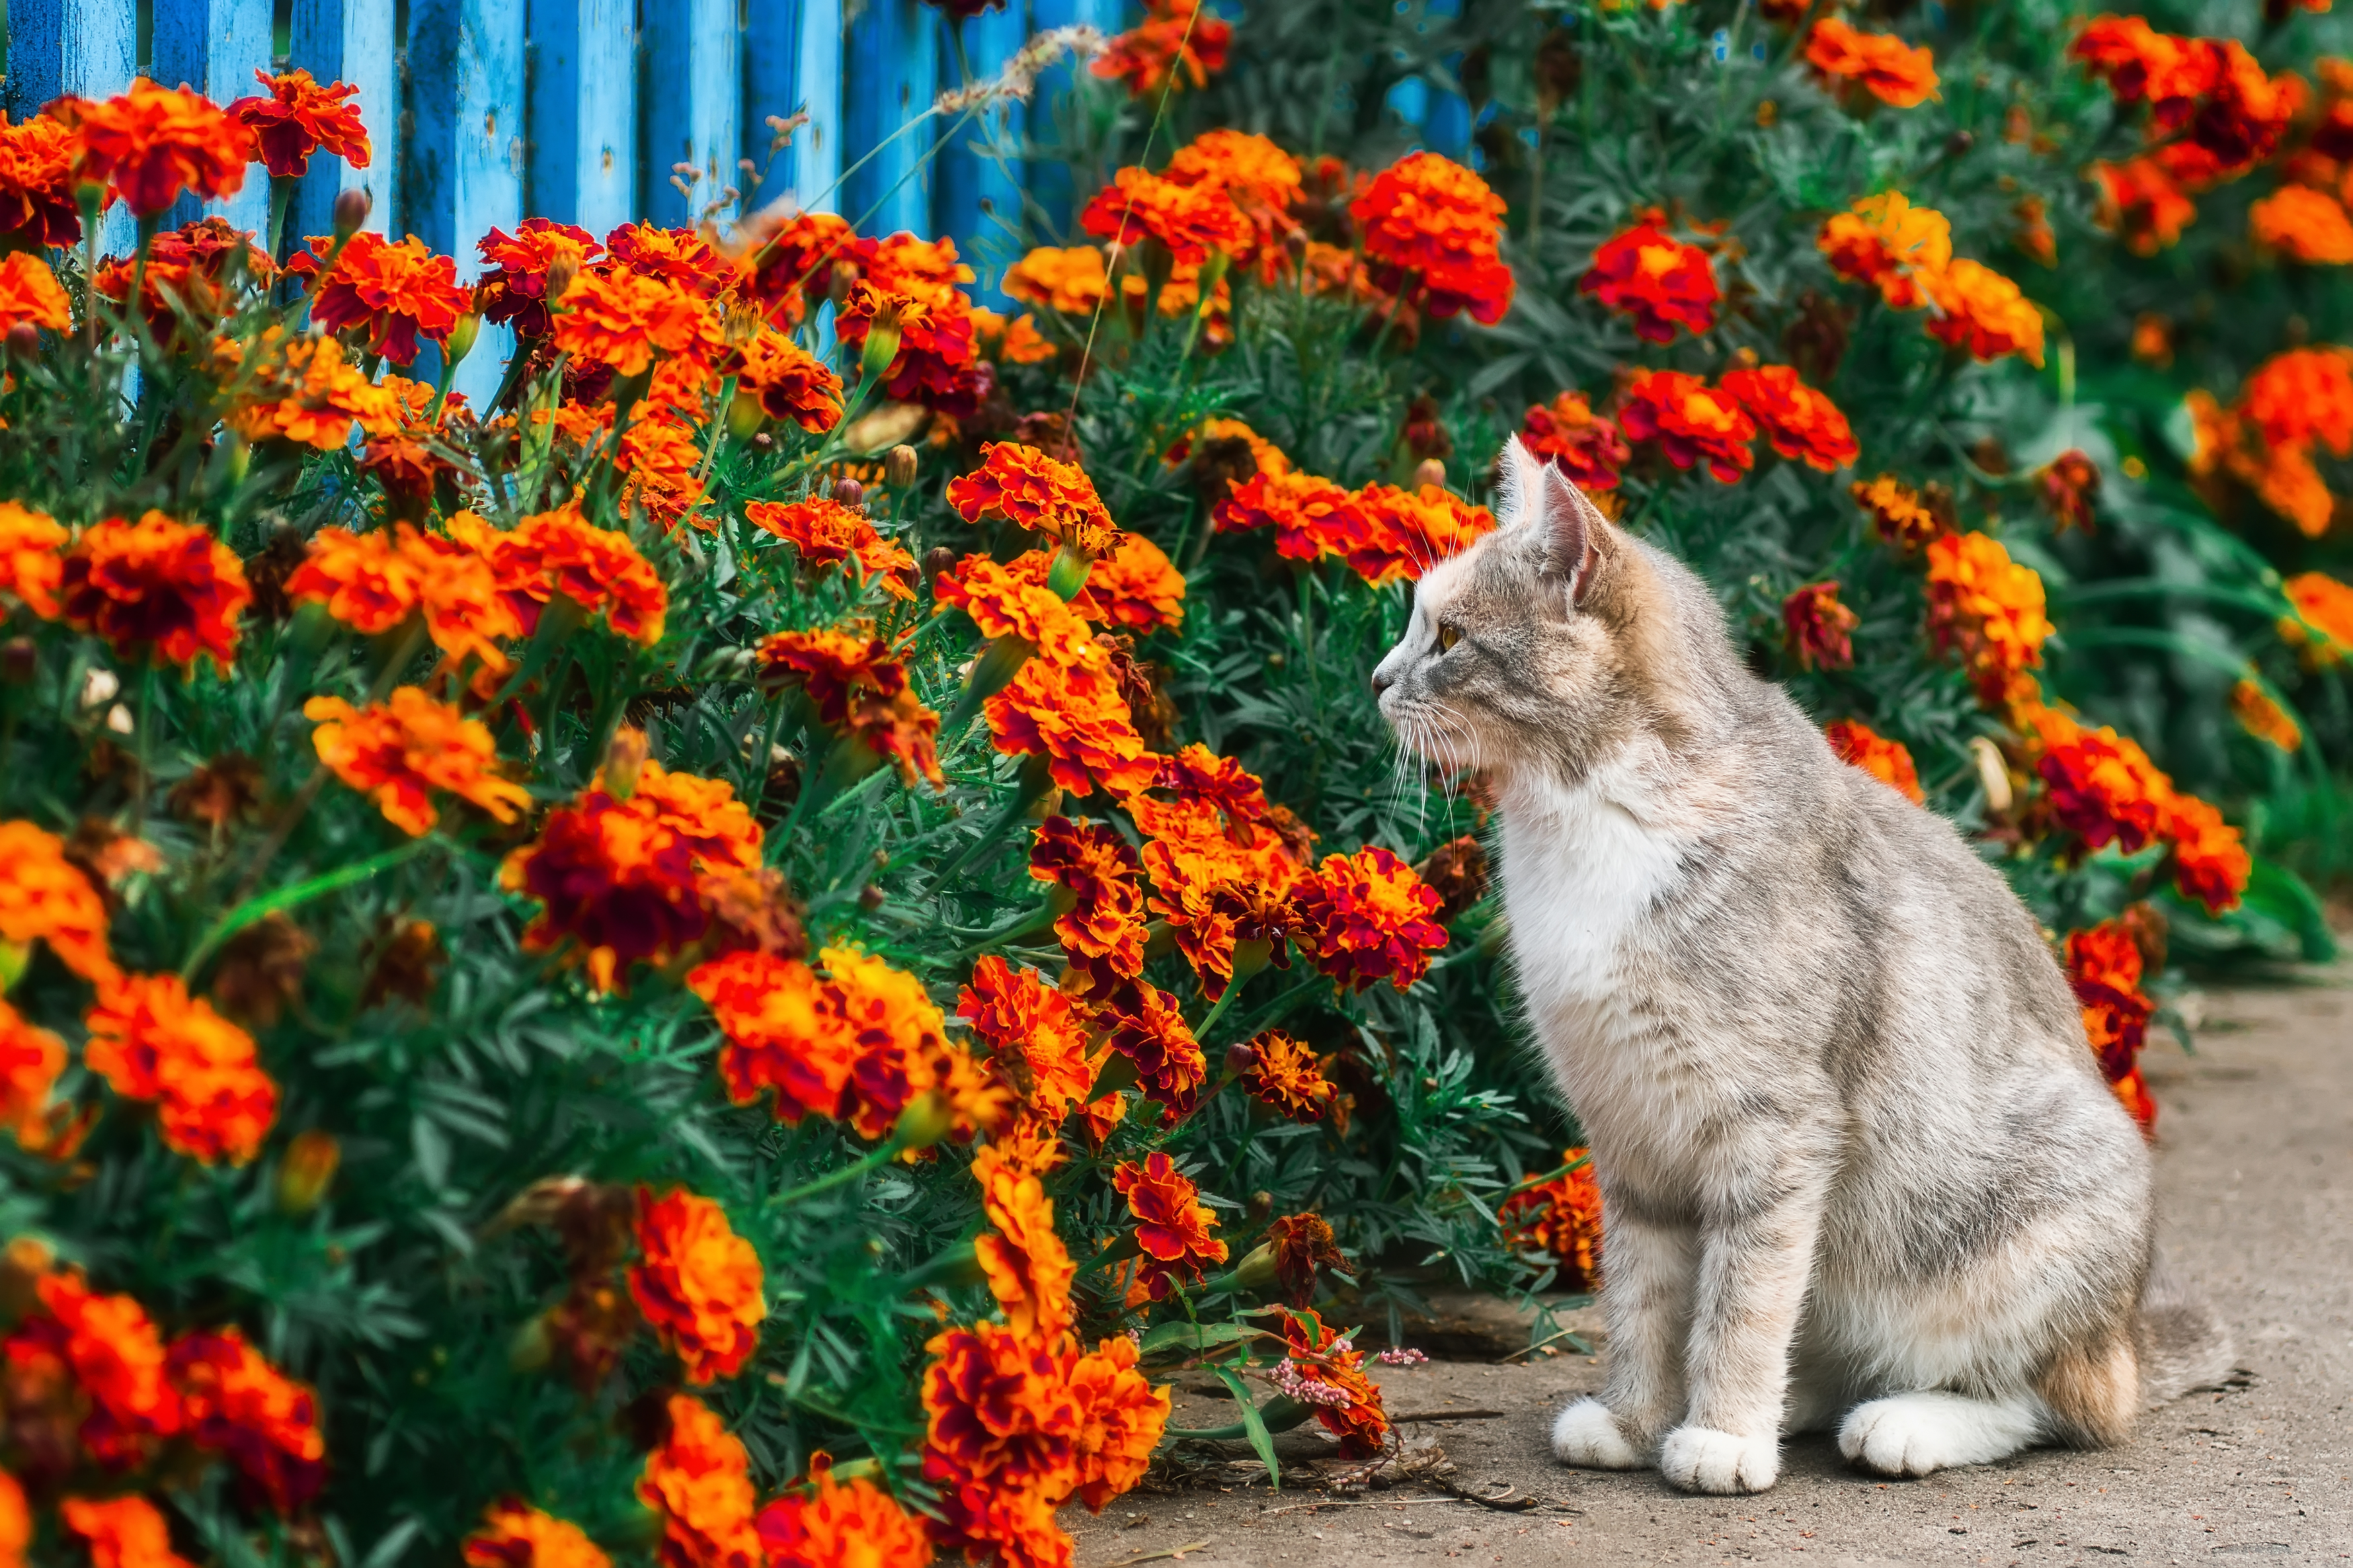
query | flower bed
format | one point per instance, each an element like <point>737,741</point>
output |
<point>728,953</point>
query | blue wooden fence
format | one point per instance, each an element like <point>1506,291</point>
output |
<point>597,111</point>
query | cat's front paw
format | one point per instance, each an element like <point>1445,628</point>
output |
<point>1701,1460</point>
<point>1586,1436</point>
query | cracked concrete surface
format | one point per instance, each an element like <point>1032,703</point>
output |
<point>2256,1171</point>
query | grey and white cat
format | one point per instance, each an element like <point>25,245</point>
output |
<point>1857,1164</point>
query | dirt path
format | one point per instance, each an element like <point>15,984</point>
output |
<point>2256,1170</point>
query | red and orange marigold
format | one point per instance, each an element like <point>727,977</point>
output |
<point>149,143</point>
<point>299,117</point>
<point>626,320</point>
<point>1430,230</point>
<point>1561,1218</point>
<point>1283,1074</point>
<point>697,1283</point>
<point>558,553</point>
<point>1987,609</point>
<point>830,1522</point>
<point>1389,535</point>
<point>1818,630</point>
<point>233,1400</point>
<point>786,380</point>
<point>403,752</point>
<point>1188,220</point>
<point>31,1058</point>
<point>31,567</point>
<point>1028,1269</point>
<point>1302,508</point>
<point>1890,243</point>
<point>152,1041</point>
<point>1656,279</point>
<point>1177,44</point>
<point>1878,64</point>
<point>1899,514</point>
<point>1587,446</point>
<point>1022,485</point>
<point>1801,423</point>
<point>391,294</point>
<point>1348,1404</point>
<point>827,534</point>
<point>522,267</point>
<point>1173,1225</point>
<point>36,182</point>
<point>115,1356</point>
<point>858,685</point>
<point>46,897</point>
<point>1367,917</point>
<point>1983,311</point>
<point>2139,201</point>
<point>155,585</point>
<point>1887,760</point>
<point>514,1534</point>
<point>30,295</point>
<point>698,1481</point>
<point>1691,423</point>
<point>125,1531</point>
<point>1099,896</point>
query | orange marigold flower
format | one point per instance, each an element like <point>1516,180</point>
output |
<point>632,879</point>
<point>1144,1024</point>
<point>311,397</point>
<point>372,581</point>
<point>786,380</point>
<point>793,264</point>
<point>1022,485</point>
<point>156,584</point>
<point>1303,510</point>
<point>1587,446</point>
<point>2104,965</point>
<point>116,1357</point>
<point>1879,64</point>
<point>1189,220</point>
<point>1172,1226</point>
<point>199,270</point>
<point>1075,717</point>
<point>519,269</point>
<point>698,1479</point>
<point>36,182</point>
<point>233,1400</point>
<point>2303,395</point>
<point>1005,602</point>
<point>1890,243</point>
<point>1262,179</point>
<point>1028,1269</point>
<point>1017,342</point>
<point>1898,512</point>
<point>697,1283</point>
<point>2303,225</point>
<point>1429,232</point>
<point>1983,311</point>
<point>1801,422</point>
<point>1099,899</point>
<point>1657,280</point>
<point>936,364</point>
<point>901,1038</point>
<point>828,533</point>
<point>1176,45</point>
<point>1001,1416</point>
<point>43,896</point>
<point>30,566</point>
<point>31,294</point>
<point>1027,1022</point>
<point>148,143</point>
<point>1336,1367</point>
<point>1230,448</point>
<point>1987,609</point>
<point>152,1041</point>
<point>2211,863</point>
<point>855,1526</point>
<point>1819,630</point>
<point>1562,1220</point>
<point>859,687</point>
<point>783,1032</point>
<point>1367,917</point>
<point>1071,279</point>
<point>2322,624</point>
<point>679,257</point>
<point>1120,1419</point>
<point>1888,760</point>
<point>299,118</point>
<point>513,1534</point>
<point>122,1532</point>
<point>560,552</point>
<point>2140,201</point>
<point>1390,535</point>
<point>2102,786</point>
<point>30,1060</point>
<point>1282,1073</point>
<point>401,753</point>
<point>628,320</point>
<point>2139,63</point>
<point>1135,586</point>
<point>16,1521</point>
<point>394,293</point>
<point>1691,423</point>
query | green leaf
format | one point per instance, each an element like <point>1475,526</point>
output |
<point>1253,1425</point>
<point>1191,1336</point>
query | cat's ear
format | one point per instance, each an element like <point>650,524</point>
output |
<point>1573,529</point>
<point>1519,485</point>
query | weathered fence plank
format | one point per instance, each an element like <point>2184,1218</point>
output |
<point>352,41</point>
<point>694,100</point>
<point>89,49</point>
<point>890,76</point>
<point>583,108</point>
<point>792,65</point>
<point>464,175</point>
<point>1051,187</point>
<point>979,200</point>
<point>215,46</point>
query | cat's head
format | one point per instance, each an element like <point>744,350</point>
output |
<point>1548,645</point>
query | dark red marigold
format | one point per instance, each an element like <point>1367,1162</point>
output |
<point>1587,446</point>
<point>235,1401</point>
<point>1821,630</point>
<point>299,117</point>
<point>1367,917</point>
<point>1430,230</point>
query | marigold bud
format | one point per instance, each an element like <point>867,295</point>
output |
<point>623,760</point>
<point>850,492</point>
<point>23,1262</point>
<point>20,660</point>
<point>25,342</point>
<point>351,211</point>
<point>1430,471</point>
<point>562,268</point>
<point>899,467</point>
<point>882,339</point>
<point>461,337</point>
<point>744,416</point>
<point>1256,1272</point>
<point>533,1346</point>
<point>308,1170</point>
<point>927,1119</point>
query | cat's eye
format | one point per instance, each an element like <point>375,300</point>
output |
<point>1448,635</point>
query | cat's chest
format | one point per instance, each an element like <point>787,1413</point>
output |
<point>1581,881</point>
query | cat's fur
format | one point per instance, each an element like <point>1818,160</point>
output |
<point>1857,1166</point>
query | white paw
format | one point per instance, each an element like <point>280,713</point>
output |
<point>1586,1436</point>
<point>1919,1434</point>
<point>1701,1460</point>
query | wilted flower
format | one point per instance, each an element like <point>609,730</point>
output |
<point>1888,760</point>
<point>1819,628</point>
<point>1899,513</point>
<point>1656,279</point>
<point>1335,1367</point>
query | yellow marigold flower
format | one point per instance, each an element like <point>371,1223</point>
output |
<point>43,896</point>
<point>31,566</point>
<point>1987,608</point>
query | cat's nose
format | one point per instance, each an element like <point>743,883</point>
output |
<point>1382,681</point>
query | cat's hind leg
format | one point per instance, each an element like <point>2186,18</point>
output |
<point>1920,1433</point>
